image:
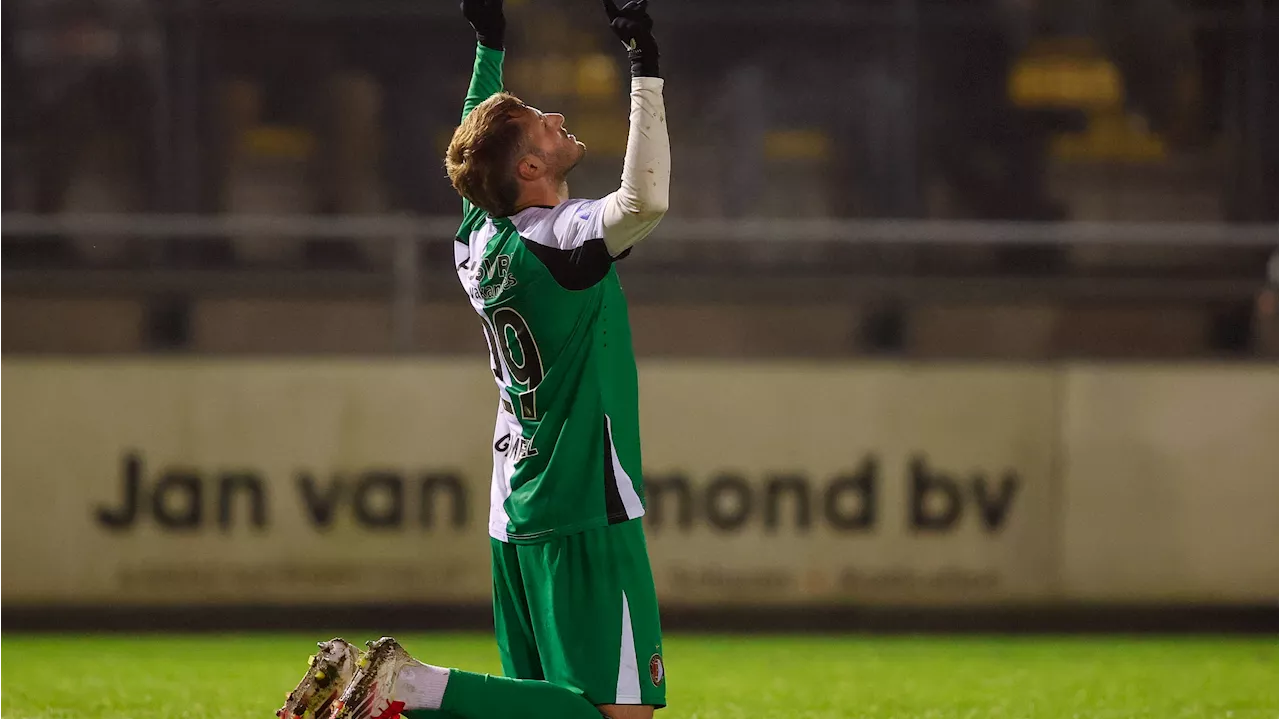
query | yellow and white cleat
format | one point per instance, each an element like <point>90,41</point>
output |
<point>328,673</point>
<point>370,693</point>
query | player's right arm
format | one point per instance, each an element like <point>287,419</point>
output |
<point>631,212</point>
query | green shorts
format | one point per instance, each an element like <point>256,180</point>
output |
<point>580,611</point>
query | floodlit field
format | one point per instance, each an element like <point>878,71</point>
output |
<point>247,676</point>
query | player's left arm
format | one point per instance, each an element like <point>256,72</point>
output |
<point>632,211</point>
<point>490,24</point>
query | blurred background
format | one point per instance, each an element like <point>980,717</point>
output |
<point>1151,120</point>
<point>960,303</point>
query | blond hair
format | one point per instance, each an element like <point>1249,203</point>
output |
<point>483,152</point>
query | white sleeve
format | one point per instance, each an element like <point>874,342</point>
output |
<point>569,240</point>
<point>631,212</point>
<point>571,225</point>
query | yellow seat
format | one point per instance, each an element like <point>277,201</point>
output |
<point>797,144</point>
<point>281,142</point>
<point>1072,74</point>
<point>1065,77</point>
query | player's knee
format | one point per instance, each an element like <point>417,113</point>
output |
<point>626,711</point>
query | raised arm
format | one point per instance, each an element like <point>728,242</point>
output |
<point>486,77</point>
<point>490,24</point>
<point>632,211</point>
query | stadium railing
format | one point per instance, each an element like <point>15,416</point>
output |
<point>835,259</point>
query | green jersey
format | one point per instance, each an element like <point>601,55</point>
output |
<point>567,440</point>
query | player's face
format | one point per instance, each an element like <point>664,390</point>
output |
<point>556,145</point>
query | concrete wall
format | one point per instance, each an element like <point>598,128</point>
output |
<point>696,329</point>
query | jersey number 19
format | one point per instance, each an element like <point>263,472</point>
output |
<point>511,346</point>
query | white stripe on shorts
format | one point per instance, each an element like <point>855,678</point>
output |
<point>628,670</point>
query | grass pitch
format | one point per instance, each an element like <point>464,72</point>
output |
<point>247,676</point>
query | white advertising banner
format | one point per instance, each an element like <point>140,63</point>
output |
<point>783,483</point>
<point>351,481</point>
<point>337,482</point>
<point>272,481</point>
<point>1171,484</point>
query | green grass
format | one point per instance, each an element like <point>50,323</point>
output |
<point>247,676</point>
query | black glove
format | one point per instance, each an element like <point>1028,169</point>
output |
<point>634,27</point>
<point>486,18</point>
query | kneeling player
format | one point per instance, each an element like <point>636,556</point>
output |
<point>574,604</point>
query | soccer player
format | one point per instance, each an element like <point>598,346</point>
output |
<point>575,610</point>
